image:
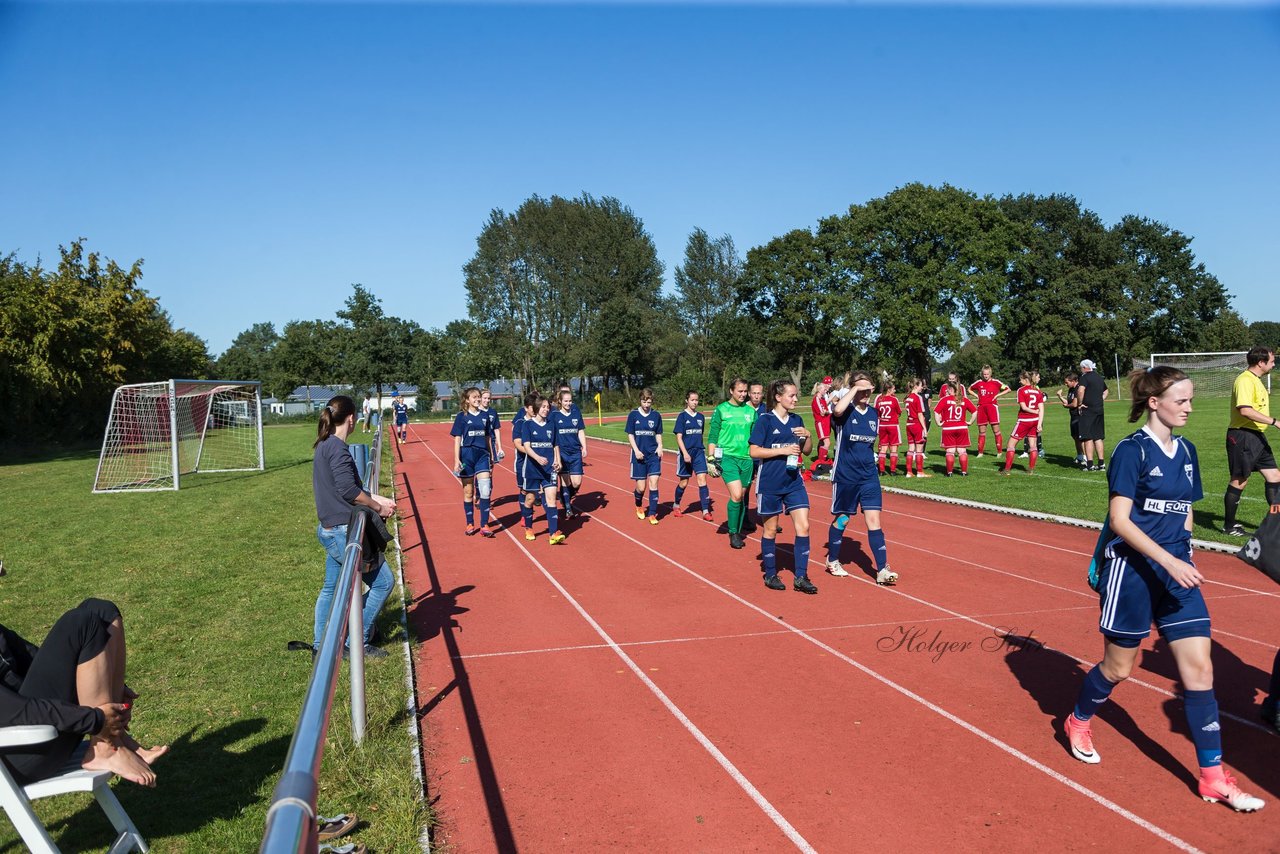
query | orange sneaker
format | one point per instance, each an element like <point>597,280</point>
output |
<point>1081,739</point>
<point>1222,787</point>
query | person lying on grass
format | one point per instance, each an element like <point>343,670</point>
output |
<point>74,682</point>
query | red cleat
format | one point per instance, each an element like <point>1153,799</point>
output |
<point>677,512</point>
<point>706,517</point>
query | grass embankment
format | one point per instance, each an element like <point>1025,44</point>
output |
<point>1058,485</point>
<point>213,580</point>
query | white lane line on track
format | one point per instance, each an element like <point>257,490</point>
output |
<point>990,739</point>
<point>897,591</point>
<point>723,761</point>
<point>696,639</point>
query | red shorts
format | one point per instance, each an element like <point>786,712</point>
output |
<point>822,426</point>
<point>988,413</point>
<point>1023,430</point>
<point>915,434</point>
<point>955,437</point>
<point>890,435</point>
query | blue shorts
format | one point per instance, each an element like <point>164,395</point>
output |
<point>570,462</point>
<point>1135,594</point>
<point>775,504</point>
<point>402,422</point>
<point>650,466</point>
<point>474,461</point>
<point>697,464</point>
<point>846,498</point>
<point>532,477</point>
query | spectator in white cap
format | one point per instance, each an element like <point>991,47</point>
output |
<point>1090,395</point>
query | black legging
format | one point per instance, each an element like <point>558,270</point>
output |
<point>78,636</point>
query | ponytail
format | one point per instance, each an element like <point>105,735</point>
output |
<point>335,412</point>
<point>1149,383</point>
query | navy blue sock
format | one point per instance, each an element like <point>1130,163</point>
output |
<point>653,503</point>
<point>875,539</point>
<point>679,494</point>
<point>1093,693</point>
<point>470,511</point>
<point>1202,716</point>
<point>704,496</point>
<point>835,535</point>
<point>527,514</point>
<point>484,511</point>
<point>639,498</point>
<point>553,519</point>
<point>768,551</point>
<point>802,557</point>
<point>566,495</point>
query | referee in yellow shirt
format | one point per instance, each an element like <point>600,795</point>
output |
<point>1247,447</point>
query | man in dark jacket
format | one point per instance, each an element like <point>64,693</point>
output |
<point>73,682</point>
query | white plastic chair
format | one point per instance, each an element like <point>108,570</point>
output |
<point>16,799</point>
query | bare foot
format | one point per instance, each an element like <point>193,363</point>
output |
<point>148,754</point>
<point>105,756</point>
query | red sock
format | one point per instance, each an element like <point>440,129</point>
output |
<point>882,464</point>
<point>951,463</point>
<point>919,463</point>
<point>893,462</point>
<point>1031,464</point>
<point>964,463</point>
<point>1008,460</point>
<point>911,462</point>
<point>982,442</point>
<point>999,441</point>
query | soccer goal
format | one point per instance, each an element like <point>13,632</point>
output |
<point>1213,373</point>
<point>157,432</point>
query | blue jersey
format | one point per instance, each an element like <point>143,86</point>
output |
<point>762,410</point>
<point>1162,487</point>
<point>494,419</point>
<point>646,429</point>
<point>401,410</point>
<point>541,439</point>
<point>690,427</point>
<point>567,425</point>
<point>772,432</point>
<point>474,430</point>
<point>855,444</point>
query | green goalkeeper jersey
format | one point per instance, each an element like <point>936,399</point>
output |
<point>731,425</point>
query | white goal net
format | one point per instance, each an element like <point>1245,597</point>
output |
<point>1213,373</point>
<point>157,432</point>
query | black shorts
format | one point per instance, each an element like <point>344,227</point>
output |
<point>1091,425</point>
<point>1075,426</point>
<point>1247,451</point>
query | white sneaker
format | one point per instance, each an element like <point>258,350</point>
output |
<point>887,577</point>
<point>834,567</point>
<point>1023,455</point>
<point>1227,790</point>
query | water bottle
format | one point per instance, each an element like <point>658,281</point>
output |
<point>719,453</point>
<point>793,462</point>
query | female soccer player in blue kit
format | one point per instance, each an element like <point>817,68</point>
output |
<point>856,477</point>
<point>644,432</point>
<point>571,441</point>
<point>691,456</point>
<point>471,442</point>
<point>536,440</point>
<point>1154,479</point>
<point>779,440</point>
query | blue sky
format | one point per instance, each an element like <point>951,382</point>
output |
<point>261,158</point>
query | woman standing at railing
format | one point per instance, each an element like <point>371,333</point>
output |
<point>336,482</point>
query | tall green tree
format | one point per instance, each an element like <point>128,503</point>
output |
<point>250,355</point>
<point>308,353</point>
<point>706,285</point>
<point>1264,333</point>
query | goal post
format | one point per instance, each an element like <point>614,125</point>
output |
<point>1212,373</point>
<point>157,432</point>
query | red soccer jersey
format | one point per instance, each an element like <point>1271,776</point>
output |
<point>821,408</point>
<point>889,410</point>
<point>1032,397</point>
<point>915,408</point>
<point>953,410</point>
<point>987,390</point>
<point>944,392</point>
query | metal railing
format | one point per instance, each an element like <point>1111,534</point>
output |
<point>291,818</point>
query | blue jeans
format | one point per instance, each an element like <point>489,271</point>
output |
<point>378,580</point>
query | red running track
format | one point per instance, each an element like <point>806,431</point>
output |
<point>639,688</point>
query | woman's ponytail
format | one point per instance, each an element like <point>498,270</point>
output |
<point>335,412</point>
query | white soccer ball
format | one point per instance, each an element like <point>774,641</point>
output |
<point>1253,549</point>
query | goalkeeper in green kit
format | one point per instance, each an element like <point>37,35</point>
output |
<point>730,457</point>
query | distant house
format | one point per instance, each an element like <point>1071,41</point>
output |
<point>390,391</point>
<point>306,398</point>
<point>503,393</point>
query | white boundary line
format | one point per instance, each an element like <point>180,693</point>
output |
<point>723,761</point>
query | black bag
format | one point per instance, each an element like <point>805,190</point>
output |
<point>1262,552</point>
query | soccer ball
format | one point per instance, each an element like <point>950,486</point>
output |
<point>1253,549</point>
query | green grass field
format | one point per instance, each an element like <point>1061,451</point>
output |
<point>213,581</point>
<point>1058,485</point>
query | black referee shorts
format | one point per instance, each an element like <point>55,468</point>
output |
<point>1248,451</point>
<point>1091,425</point>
